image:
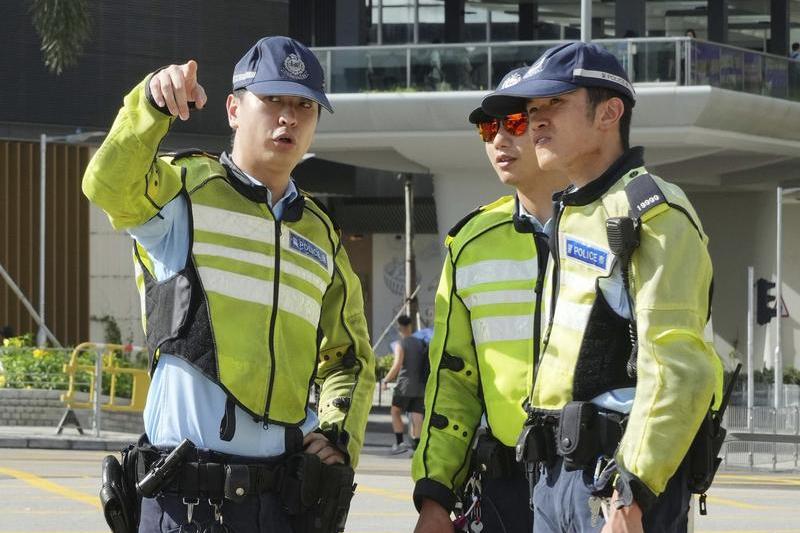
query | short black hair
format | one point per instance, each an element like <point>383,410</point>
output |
<point>795,47</point>
<point>7,332</point>
<point>598,95</point>
<point>404,320</point>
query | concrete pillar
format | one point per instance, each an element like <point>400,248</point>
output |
<point>630,18</point>
<point>718,20</point>
<point>778,27</point>
<point>527,27</point>
<point>459,190</point>
<point>453,21</point>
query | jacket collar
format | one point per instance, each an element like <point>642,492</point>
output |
<point>258,193</point>
<point>587,194</point>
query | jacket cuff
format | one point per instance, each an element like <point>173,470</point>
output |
<point>630,488</point>
<point>433,490</point>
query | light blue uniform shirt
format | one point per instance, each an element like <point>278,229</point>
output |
<point>620,400</point>
<point>182,402</point>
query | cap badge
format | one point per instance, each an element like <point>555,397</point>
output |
<point>511,81</point>
<point>294,67</point>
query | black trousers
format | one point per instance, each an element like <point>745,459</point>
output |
<point>505,506</point>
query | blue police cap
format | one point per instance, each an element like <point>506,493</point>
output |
<point>281,66</point>
<point>560,70</point>
<point>509,80</point>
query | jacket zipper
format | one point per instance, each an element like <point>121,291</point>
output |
<point>556,270</point>
<point>553,246</point>
<point>541,259</point>
<point>275,284</point>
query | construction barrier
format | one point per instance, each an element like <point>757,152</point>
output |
<point>106,362</point>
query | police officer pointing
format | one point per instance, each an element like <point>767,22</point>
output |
<point>625,377</point>
<point>248,297</point>
<point>487,328</point>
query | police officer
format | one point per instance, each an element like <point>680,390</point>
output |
<point>247,293</point>
<point>487,318</point>
<point>625,372</point>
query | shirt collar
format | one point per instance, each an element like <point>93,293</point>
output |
<point>523,213</point>
<point>288,196</point>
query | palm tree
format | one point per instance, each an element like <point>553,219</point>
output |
<point>64,27</point>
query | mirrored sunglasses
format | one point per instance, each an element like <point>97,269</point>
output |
<point>516,125</point>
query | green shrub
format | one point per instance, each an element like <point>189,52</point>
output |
<point>26,366</point>
<point>382,365</point>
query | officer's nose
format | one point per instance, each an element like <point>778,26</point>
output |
<point>502,139</point>
<point>537,119</point>
<point>288,117</point>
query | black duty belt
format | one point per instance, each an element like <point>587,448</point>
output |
<point>219,480</point>
<point>578,433</point>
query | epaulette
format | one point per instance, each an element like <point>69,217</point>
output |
<point>644,195</point>
<point>463,222</point>
<point>190,152</point>
<point>322,208</point>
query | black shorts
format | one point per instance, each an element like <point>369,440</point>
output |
<point>410,404</point>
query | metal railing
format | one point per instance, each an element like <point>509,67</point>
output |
<point>762,438</point>
<point>480,66</point>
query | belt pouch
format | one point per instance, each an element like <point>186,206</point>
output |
<point>301,483</point>
<point>578,442</point>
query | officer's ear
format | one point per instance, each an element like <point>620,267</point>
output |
<point>232,105</point>
<point>608,113</point>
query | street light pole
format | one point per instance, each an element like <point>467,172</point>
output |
<point>41,335</point>
<point>77,137</point>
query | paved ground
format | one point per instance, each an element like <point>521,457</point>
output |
<point>55,491</point>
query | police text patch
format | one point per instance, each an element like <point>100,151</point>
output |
<point>587,254</point>
<point>308,248</point>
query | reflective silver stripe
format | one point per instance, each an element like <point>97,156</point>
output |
<point>286,245</point>
<point>258,258</point>
<point>232,223</point>
<point>226,252</point>
<point>304,274</point>
<point>499,297</point>
<point>259,291</point>
<point>571,315</point>
<point>576,282</point>
<point>494,271</point>
<point>236,285</point>
<point>600,75</point>
<point>300,304</point>
<point>502,328</point>
<point>139,277</point>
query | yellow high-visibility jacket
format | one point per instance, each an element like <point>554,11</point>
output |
<point>263,307</point>
<point>678,372</point>
<point>485,337</point>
